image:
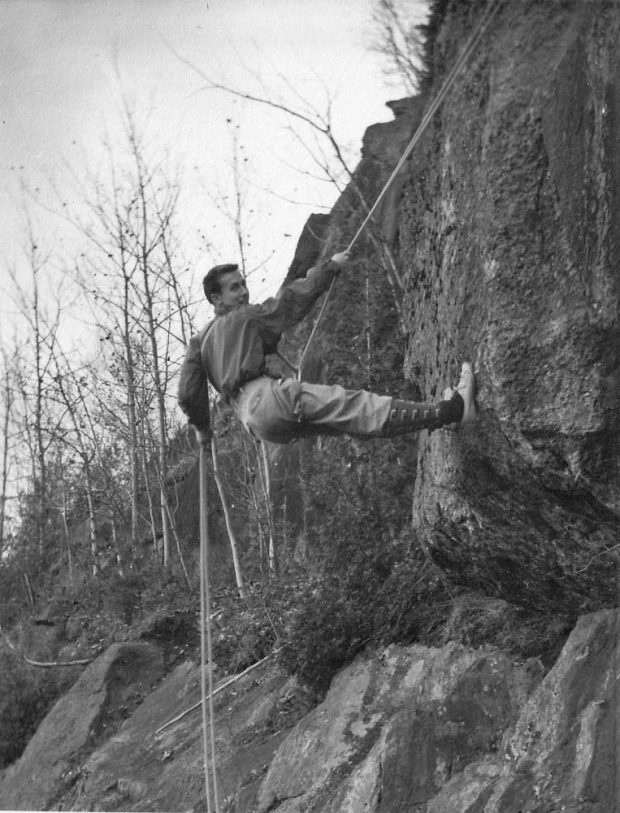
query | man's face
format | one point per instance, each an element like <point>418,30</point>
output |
<point>233,293</point>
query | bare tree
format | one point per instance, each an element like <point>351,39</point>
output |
<point>264,472</point>
<point>38,424</point>
<point>138,302</point>
<point>314,131</point>
<point>7,406</point>
<point>398,39</point>
<point>232,537</point>
<point>69,386</point>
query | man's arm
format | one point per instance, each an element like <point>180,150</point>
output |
<point>193,392</point>
<point>294,300</point>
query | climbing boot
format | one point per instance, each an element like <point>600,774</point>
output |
<point>464,393</point>
<point>457,407</point>
<point>408,416</point>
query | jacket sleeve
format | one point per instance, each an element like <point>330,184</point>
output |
<point>193,387</point>
<point>294,300</point>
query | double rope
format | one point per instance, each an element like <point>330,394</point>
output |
<point>206,638</point>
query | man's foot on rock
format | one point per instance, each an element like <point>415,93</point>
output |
<point>466,388</point>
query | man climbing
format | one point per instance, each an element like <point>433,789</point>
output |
<point>231,351</point>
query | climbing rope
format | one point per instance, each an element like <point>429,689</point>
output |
<point>467,51</point>
<point>206,642</point>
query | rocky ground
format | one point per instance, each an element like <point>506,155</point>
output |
<point>407,728</point>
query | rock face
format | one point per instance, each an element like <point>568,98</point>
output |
<point>562,754</point>
<point>416,729</point>
<point>393,729</point>
<point>509,235</point>
<point>360,312</point>
<point>445,730</point>
<point>112,743</point>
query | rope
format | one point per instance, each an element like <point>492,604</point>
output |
<point>206,642</point>
<point>470,46</point>
<point>314,329</point>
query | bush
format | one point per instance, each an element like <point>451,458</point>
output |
<point>394,596</point>
<point>246,631</point>
<point>371,583</point>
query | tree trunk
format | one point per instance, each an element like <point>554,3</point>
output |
<point>131,409</point>
<point>229,526</point>
<point>8,397</point>
<point>38,415</point>
<point>265,476</point>
<point>147,488</point>
<point>67,539</point>
<point>155,373</point>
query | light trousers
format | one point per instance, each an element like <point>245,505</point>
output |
<point>281,410</point>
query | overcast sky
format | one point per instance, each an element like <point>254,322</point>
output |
<point>64,65</point>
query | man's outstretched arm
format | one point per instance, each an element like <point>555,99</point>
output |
<point>295,299</point>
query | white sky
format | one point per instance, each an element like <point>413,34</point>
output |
<point>65,63</point>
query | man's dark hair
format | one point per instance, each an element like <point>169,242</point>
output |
<point>212,282</point>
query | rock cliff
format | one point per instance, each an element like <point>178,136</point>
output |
<point>505,232</point>
<point>510,238</point>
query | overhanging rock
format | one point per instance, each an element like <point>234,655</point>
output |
<point>510,236</point>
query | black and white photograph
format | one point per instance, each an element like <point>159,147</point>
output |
<point>310,406</point>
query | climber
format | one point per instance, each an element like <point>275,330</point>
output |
<point>230,352</point>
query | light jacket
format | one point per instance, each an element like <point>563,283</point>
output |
<point>231,349</point>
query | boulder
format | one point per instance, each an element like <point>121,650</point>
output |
<point>154,761</point>
<point>393,729</point>
<point>563,753</point>
<point>105,692</point>
<point>444,730</point>
<point>416,729</point>
<point>116,742</point>
<point>138,765</point>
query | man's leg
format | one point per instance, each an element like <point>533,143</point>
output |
<point>335,410</point>
<point>280,411</point>
<point>269,409</point>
